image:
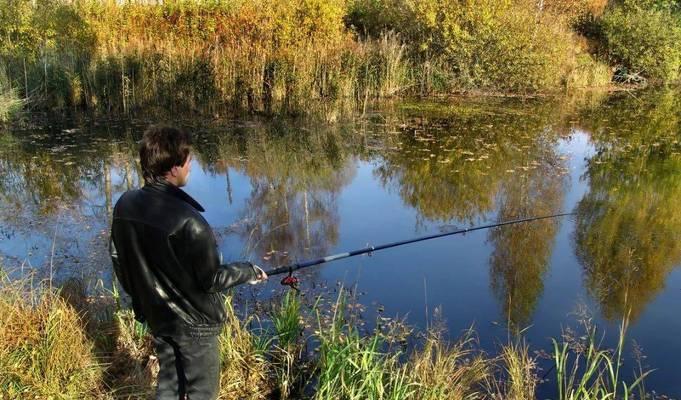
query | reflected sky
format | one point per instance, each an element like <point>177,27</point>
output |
<point>278,192</point>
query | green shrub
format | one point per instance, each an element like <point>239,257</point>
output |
<point>588,72</point>
<point>644,40</point>
<point>476,44</point>
<point>10,103</point>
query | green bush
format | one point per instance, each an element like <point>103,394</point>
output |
<point>10,103</point>
<point>481,44</point>
<point>287,56</point>
<point>587,73</point>
<point>644,40</point>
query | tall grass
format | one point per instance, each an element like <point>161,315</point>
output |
<point>352,366</point>
<point>355,367</point>
<point>293,56</point>
<point>585,371</point>
<point>10,103</point>
<point>44,352</point>
<point>286,320</point>
<point>519,373</point>
<point>48,349</point>
<point>287,353</point>
<point>261,56</point>
<point>443,371</point>
<point>244,368</point>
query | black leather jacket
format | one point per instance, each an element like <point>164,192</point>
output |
<point>165,256</point>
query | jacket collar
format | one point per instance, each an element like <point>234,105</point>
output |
<point>168,188</point>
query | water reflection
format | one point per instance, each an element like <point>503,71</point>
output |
<point>57,187</point>
<point>628,233</point>
<point>521,252</point>
<point>458,164</point>
<point>487,161</point>
<point>292,211</point>
<point>452,164</point>
<point>47,169</point>
<point>446,164</point>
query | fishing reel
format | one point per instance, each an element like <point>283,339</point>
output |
<point>291,281</point>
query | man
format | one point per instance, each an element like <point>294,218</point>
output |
<point>165,257</point>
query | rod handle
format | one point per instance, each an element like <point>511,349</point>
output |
<point>284,269</point>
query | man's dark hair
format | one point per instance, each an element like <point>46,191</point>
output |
<point>162,148</point>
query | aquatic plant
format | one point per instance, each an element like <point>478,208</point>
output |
<point>287,353</point>
<point>585,371</point>
<point>354,367</point>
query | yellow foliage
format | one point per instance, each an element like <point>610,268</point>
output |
<point>44,352</point>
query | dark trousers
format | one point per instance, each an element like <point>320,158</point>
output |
<point>189,368</point>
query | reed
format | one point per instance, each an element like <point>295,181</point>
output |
<point>354,367</point>
<point>293,56</point>
<point>586,371</point>
<point>287,354</point>
<point>56,344</point>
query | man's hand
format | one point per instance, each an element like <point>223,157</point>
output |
<point>260,275</point>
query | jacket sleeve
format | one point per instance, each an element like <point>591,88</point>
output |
<point>113,252</point>
<point>201,254</point>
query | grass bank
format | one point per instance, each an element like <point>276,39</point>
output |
<point>291,56</point>
<point>63,344</point>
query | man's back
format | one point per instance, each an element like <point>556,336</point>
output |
<point>165,257</point>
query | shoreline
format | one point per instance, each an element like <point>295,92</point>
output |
<point>115,356</point>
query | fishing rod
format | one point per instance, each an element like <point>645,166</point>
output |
<point>293,281</point>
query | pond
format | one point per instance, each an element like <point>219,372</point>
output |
<point>283,191</point>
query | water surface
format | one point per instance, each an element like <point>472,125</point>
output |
<point>277,192</point>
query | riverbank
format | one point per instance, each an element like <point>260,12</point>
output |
<point>63,343</point>
<point>289,56</point>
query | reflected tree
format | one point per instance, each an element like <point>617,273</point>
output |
<point>58,187</point>
<point>296,176</point>
<point>628,235</point>
<point>47,170</point>
<point>522,252</point>
<point>452,164</point>
<point>468,161</point>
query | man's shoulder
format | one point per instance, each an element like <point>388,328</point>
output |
<point>127,199</point>
<point>158,209</point>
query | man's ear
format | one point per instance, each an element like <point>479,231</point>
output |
<point>173,171</point>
